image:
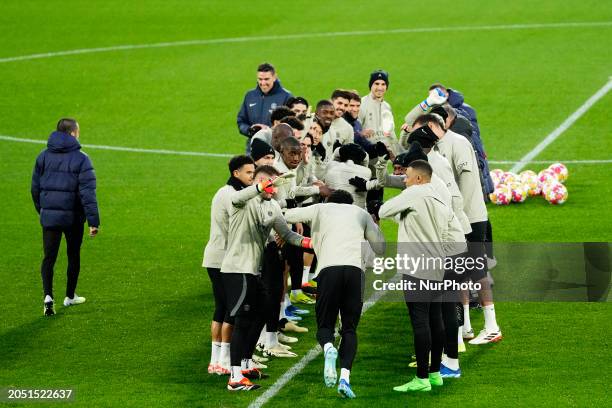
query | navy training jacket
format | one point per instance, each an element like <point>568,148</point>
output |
<point>64,184</point>
<point>257,106</point>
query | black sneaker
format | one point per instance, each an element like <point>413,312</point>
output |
<point>254,374</point>
<point>49,309</point>
<point>242,385</point>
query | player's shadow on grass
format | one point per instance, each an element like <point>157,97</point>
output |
<point>19,340</point>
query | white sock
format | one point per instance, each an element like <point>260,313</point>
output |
<point>262,336</point>
<point>236,374</point>
<point>345,374</point>
<point>296,292</point>
<point>467,325</point>
<point>271,339</point>
<point>48,299</point>
<point>306,275</point>
<point>244,364</point>
<point>224,357</point>
<point>326,347</point>
<point>282,314</point>
<point>460,335</point>
<point>287,301</point>
<point>490,321</point>
<point>215,352</point>
<point>452,363</point>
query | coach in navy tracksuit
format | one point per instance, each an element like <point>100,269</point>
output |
<point>64,194</point>
<point>258,103</point>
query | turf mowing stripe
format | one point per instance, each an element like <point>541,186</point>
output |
<point>304,361</point>
<point>563,127</point>
<point>123,149</point>
<point>205,154</point>
<point>305,36</point>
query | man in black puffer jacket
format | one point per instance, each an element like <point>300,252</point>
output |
<point>64,194</point>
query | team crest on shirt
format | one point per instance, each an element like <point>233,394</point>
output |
<point>272,107</point>
<point>269,213</point>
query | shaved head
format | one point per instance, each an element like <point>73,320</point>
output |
<point>280,133</point>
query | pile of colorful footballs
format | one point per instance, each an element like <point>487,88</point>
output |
<point>515,188</point>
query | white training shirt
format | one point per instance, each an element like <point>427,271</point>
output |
<point>460,154</point>
<point>442,168</point>
<point>338,233</point>
<point>219,221</point>
<point>426,218</point>
<point>337,175</point>
<point>251,220</point>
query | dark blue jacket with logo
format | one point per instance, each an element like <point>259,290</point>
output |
<point>457,101</point>
<point>257,106</point>
<point>64,184</point>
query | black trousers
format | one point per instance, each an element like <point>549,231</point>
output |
<point>221,313</point>
<point>272,277</point>
<point>451,309</point>
<point>427,328</point>
<point>489,240</point>
<point>295,259</point>
<point>476,249</point>
<point>52,236</point>
<point>246,300</point>
<point>340,289</point>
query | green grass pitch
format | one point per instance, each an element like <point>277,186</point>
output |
<point>142,339</point>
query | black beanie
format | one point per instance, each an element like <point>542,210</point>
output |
<point>439,110</point>
<point>379,74</point>
<point>414,153</point>
<point>424,135</point>
<point>352,151</point>
<point>259,148</point>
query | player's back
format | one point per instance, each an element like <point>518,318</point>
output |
<point>338,232</point>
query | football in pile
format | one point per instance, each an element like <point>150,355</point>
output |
<point>516,188</point>
<point>518,191</point>
<point>560,171</point>
<point>555,193</point>
<point>502,195</point>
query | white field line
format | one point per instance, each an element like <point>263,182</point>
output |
<point>562,127</point>
<point>227,155</point>
<point>121,148</point>
<point>500,27</point>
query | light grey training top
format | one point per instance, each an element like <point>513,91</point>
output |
<point>460,154</point>
<point>338,174</point>
<point>263,134</point>
<point>219,221</point>
<point>297,186</point>
<point>378,116</point>
<point>443,169</point>
<point>251,220</point>
<point>339,130</point>
<point>427,221</point>
<point>338,232</point>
